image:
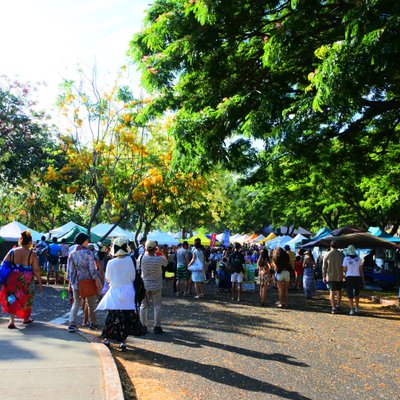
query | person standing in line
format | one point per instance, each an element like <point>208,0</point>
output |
<point>81,265</point>
<point>41,252</point>
<point>264,273</point>
<point>53,260</point>
<point>198,256</point>
<point>122,317</point>
<point>332,275</point>
<point>151,266</point>
<point>353,269</point>
<point>292,258</point>
<point>16,295</point>
<point>64,255</point>
<point>236,263</point>
<point>309,267</point>
<point>282,267</point>
<point>182,273</point>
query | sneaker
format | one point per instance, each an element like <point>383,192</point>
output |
<point>158,329</point>
<point>122,347</point>
<point>72,329</point>
<point>93,327</point>
<point>106,343</point>
<point>351,311</point>
<point>197,297</point>
<point>334,310</point>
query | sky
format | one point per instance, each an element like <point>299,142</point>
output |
<point>45,40</point>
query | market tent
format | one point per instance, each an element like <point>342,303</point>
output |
<point>62,230</point>
<point>220,237</point>
<point>361,240</point>
<point>162,238</point>
<point>242,238</point>
<point>205,241</point>
<point>324,231</point>
<point>291,229</point>
<point>376,231</point>
<point>12,232</point>
<point>102,229</point>
<point>279,241</point>
<point>295,241</point>
<point>345,230</point>
<point>233,238</point>
<point>1,240</point>
<point>258,239</point>
<point>253,236</point>
<point>70,236</point>
<point>269,237</point>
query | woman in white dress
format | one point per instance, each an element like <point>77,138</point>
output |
<point>122,319</point>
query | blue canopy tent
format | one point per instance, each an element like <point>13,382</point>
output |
<point>378,232</point>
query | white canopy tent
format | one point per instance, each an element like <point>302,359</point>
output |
<point>62,230</point>
<point>235,237</point>
<point>162,238</point>
<point>102,229</point>
<point>279,241</point>
<point>297,239</point>
<point>220,237</point>
<point>12,232</point>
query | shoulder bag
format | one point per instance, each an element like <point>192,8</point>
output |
<point>86,287</point>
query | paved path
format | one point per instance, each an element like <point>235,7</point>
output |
<point>217,349</point>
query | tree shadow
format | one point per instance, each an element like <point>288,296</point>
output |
<point>193,340</point>
<point>215,373</point>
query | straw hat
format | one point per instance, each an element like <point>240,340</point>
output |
<point>120,247</point>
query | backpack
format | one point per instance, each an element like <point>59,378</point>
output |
<point>138,284</point>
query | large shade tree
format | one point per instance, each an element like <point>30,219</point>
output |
<point>317,81</point>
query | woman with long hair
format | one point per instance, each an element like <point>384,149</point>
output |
<point>16,296</point>
<point>282,267</point>
<point>264,274</point>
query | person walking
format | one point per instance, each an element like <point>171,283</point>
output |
<point>182,273</point>
<point>122,318</point>
<point>353,269</point>
<point>53,260</point>
<point>236,263</point>
<point>198,257</point>
<point>282,267</point>
<point>16,295</point>
<point>309,283</point>
<point>81,266</point>
<point>332,275</point>
<point>265,276</point>
<point>151,266</point>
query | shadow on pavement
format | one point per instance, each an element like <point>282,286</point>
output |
<point>191,339</point>
<point>215,373</point>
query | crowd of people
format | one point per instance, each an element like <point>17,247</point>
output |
<point>126,281</point>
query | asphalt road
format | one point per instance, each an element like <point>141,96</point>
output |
<point>218,349</point>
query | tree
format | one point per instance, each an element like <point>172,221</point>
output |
<point>303,76</point>
<point>105,148</point>
<point>25,134</point>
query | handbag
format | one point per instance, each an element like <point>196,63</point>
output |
<point>86,287</point>
<point>197,266</point>
<point>6,268</point>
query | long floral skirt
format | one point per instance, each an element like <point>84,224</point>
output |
<point>120,324</point>
<point>16,296</point>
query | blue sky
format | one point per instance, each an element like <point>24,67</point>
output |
<point>45,40</point>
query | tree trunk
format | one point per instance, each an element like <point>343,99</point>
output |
<point>96,209</point>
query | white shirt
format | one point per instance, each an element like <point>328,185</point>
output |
<point>120,272</point>
<point>352,265</point>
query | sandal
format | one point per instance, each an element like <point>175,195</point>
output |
<point>29,321</point>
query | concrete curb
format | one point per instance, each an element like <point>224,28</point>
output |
<point>111,380</point>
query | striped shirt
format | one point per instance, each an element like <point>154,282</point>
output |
<point>152,271</point>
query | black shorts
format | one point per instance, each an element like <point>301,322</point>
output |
<point>334,286</point>
<point>63,260</point>
<point>353,286</point>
